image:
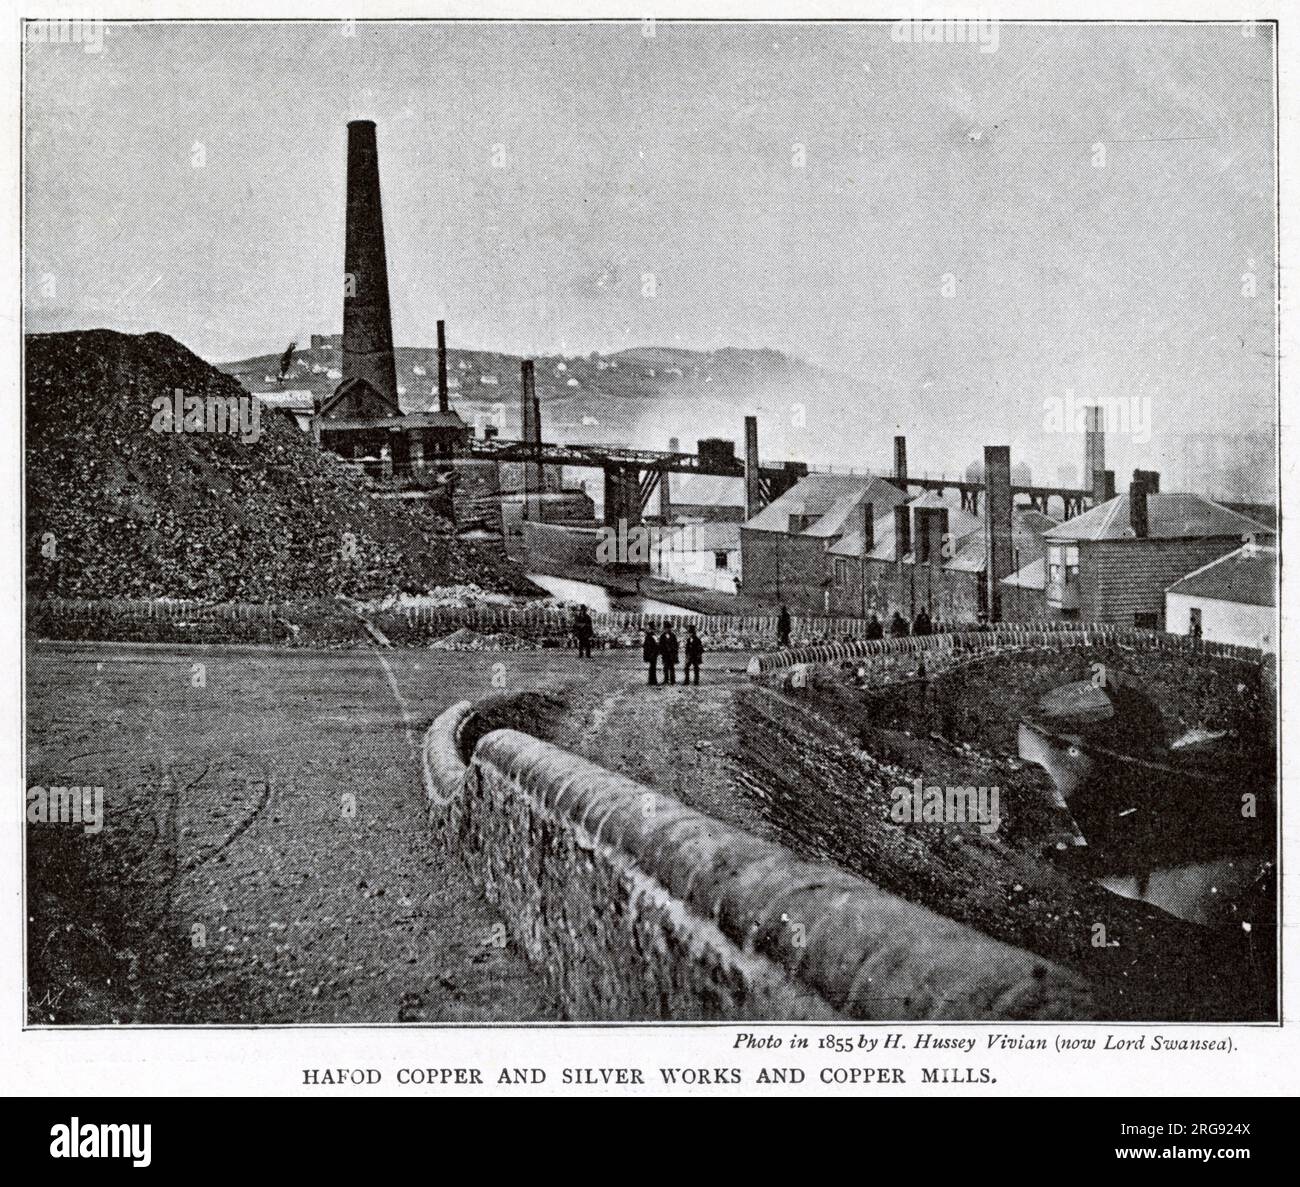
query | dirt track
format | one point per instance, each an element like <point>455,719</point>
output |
<point>225,812</point>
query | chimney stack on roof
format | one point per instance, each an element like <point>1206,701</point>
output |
<point>1137,505</point>
<point>902,531</point>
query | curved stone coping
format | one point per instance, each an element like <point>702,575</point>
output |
<point>864,952</point>
<point>1004,639</point>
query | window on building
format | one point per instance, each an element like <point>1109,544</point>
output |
<point>1062,563</point>
<point>719,560</point>
<point>841,573</point>
<point>1194,622</point>
<point>1145,622</point>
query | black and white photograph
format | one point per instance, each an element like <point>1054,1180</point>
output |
<point>692,522</point>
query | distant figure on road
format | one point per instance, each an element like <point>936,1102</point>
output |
<point>583,628</point>
<point>898,626</point>
<point>668,654</point>
<point>783,628</point>
<point>922,625</point>
<point>874,628</point>
<point>694,654</point>
<point>650,654</point>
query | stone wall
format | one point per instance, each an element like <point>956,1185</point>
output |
<point>637,907</point>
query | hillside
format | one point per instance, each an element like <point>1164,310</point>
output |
<point>115,509</point>
<point>640,397</point>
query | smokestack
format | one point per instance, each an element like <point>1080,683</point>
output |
<point>1094,443</point>
<point>1137,505</point>
<point>529,430</point>
<point>443,404</point>
<point>900,462</point>
<point>753,493</point>
<point>902,531</point>
<point>998,509</point>
<point>367,319</point>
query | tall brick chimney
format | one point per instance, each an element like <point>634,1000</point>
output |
<point>443,402</point>
<point>531,429</point>
<point>1094,448</point>
<point>753,492</point>
<point>900,463</point>
<point>998,509</point>
<point>367,318</point>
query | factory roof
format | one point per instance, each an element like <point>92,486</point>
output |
<point>1169,517</point>
<point>827,501</point>
<point>1247,576</point>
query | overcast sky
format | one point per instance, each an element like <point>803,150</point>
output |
<point>678,156</point>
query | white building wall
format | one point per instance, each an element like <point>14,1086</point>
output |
<point>1222,622</point>
<point>698,569</point>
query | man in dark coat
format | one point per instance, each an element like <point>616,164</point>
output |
<point>694,654</point>
<point>650,654</point>
<point>783,628</point>
<point>668,654</point>
<point>583,628</point>
<point>874,628</point>
<point>898,626</point>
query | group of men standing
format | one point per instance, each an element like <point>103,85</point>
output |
<point>663,651</point>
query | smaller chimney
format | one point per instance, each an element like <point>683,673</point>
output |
<point>753,488</point>
<point>902,531</point>
<point>443,406</point>
<point>868,528</point>
<point>1150,479</point>
<point>1137,506</point>
<point>900,462</point>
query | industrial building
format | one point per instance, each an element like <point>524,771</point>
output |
<point>1114,563</point>
<point>363,419</point>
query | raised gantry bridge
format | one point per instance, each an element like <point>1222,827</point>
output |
<point>633,475</point>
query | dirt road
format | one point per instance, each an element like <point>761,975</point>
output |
<point>265,855</point>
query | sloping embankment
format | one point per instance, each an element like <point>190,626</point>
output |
<point>638,907</point>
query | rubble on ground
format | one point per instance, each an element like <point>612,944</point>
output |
<point>116,509</point>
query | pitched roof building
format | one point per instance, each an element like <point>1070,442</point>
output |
<point>1230,600</point>
<point>1114,562</point>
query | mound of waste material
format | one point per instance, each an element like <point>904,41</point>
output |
<point>116,509</point>
<point>468,640</point>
